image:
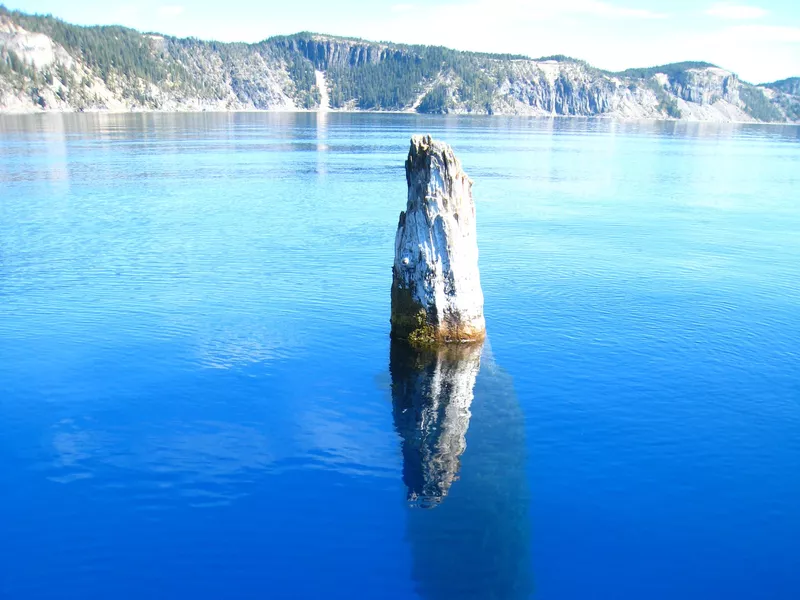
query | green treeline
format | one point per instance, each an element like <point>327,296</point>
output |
<point>789,86</point>
<point>666,103</point>
<point>390,84</point>
<point>672,70</point>
<point>436,101</point>
<point>758,106</point>
<point>396,81</point>
<point>105,48</point>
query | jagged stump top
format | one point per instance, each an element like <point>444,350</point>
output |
<point>436,291</point>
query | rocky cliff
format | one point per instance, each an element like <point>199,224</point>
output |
<point>46,64</point>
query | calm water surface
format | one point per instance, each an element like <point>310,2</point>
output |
<point>199,399</point>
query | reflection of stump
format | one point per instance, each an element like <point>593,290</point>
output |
<point>436,288</point>
<point>476,544</point>
<point>431,394</point>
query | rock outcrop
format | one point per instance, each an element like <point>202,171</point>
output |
<point>704,86</point>
<point>436,289</point>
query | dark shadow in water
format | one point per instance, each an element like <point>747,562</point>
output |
<point>463,445</point>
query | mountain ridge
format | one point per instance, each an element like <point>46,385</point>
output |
<point>47,64</point>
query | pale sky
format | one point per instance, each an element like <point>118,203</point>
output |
<point>759,40</point>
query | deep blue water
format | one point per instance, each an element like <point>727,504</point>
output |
<point>199,399</point>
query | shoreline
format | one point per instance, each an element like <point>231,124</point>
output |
<point>386,112</point>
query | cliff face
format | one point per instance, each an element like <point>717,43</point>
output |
<point>46,64</point>
<point>327,53</point>
<point>551,87</point>
<point>704,86</point>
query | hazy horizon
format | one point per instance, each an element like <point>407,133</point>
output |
<point>757,43</point>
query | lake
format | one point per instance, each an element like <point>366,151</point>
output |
<point>199,397</point>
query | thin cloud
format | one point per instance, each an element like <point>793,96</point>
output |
<point>547,8</point>
<point>767,33</point>
<point>736,12</point>
<point>170,11</point>
<point>612,10</point>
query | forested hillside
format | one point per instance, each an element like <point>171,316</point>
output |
<point>47,64</point>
